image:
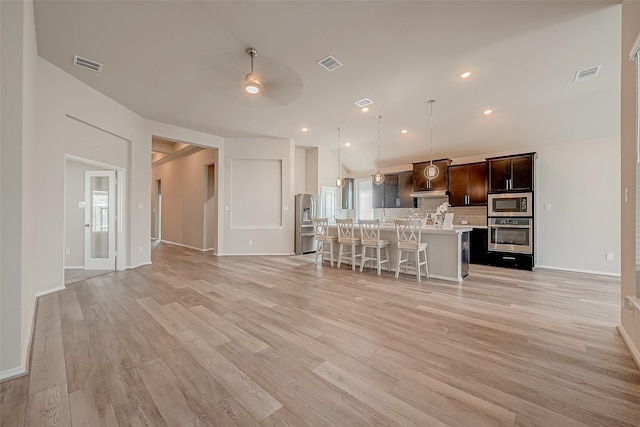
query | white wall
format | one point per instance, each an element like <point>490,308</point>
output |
<point>12,116</point>
<point>583,223</point>
<point>301,158</point>
<point>265,240</point>
<point>312,165</point>
<point>183,197</point>
<point>74,215</point>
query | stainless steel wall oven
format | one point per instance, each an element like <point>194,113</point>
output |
<point>514,235</point>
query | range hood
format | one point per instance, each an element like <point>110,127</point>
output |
<point>433,193</point>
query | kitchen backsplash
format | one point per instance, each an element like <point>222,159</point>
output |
<point>474,215</point>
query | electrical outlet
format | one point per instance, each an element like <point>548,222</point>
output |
<point>67,251</point>
<point>250,242</point>
<point>464,222</point>
<point>140,249</point>
<point>609,256</point>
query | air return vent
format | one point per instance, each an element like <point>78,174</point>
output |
<point>330,63</point>
<point>364,102</point>
<point>587,73</point>
<point>87,63</point>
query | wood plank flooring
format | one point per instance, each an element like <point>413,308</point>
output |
<point>195,340</point>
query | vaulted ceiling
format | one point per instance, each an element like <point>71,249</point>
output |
<point>183,63</point>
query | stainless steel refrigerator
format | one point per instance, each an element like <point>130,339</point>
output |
<point>307,207</point>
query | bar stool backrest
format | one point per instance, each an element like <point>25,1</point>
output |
<point>408,232</point>
<point>369,229</point>
<point>321,226</point>
<point>345,228</point>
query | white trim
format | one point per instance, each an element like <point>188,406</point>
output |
<point>257,227</point>
<point>142,264</point>
<point>635,353</point>
<point>184,246</point>
<point>578,270</point>
<point>635,49</point>
<point>121,222</point>
<point>74,267</point>
<point>49,291</point>
<point>12,373</point>
<point>258,254</point>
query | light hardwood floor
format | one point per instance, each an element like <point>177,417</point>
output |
<point>199,340</point>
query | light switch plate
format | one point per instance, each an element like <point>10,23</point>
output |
<point>81,204</point>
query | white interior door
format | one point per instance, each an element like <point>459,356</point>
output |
<point>100,220</point>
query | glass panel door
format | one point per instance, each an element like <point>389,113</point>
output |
<point>99,220</point>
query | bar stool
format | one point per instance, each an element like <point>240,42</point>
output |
<point>346,237</point>
<point>370,239</point>
<point>409,232</point>
<point>321,232</point>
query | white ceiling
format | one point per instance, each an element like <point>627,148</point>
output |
<point>183,63</point>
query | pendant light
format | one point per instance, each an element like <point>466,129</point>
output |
<point>431,172</point>
<point>339,179</point>
<point>378,177</point>
<point>251,82</point>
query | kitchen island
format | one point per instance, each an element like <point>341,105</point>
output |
<point>447,251</point>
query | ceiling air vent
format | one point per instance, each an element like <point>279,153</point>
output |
<point>87,63</point>
<point>330,63</point>
<point>587,73</point>
<point>364,102</point>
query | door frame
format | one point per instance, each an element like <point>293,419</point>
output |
<point>121,221</point>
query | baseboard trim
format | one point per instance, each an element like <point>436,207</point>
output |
<point>635,353</point>
<point>578,270</point>
<point>184,246</point>
<point>74,267</point>
<point>258,254</point>
<point>10,374</point>
<point>47,292</point>
<point>142,264</point>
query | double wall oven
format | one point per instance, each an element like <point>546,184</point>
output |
<point>510,226</point>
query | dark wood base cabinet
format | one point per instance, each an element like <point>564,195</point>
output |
<point>478,246</point>
<point>510,260</point>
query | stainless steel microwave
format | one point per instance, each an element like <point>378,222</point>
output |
<point>510,204</point>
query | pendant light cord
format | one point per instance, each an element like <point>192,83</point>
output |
<point>431,101</point>
<point>338,152</point>
<point>379,117</point>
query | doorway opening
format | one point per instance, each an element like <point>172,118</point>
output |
<point>93,219</point>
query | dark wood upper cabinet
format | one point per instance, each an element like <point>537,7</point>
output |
<point>405,187</point>
<point>511,173</point>
<point>348,194</point>
<point>441,182</point>
<point>386,195</point>
<point>468,184</point>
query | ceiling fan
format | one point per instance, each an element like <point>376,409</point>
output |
<point>272,83</point>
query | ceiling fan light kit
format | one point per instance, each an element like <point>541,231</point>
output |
<point>251,82</point>
<point>432,171</point>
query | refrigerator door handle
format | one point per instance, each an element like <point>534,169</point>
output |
<point>313,207</point>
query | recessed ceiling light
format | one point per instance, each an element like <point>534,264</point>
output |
<point>304,129</point>
<point>365,109</point>
<point>465,74</point>
<point>404,131</point>
<point>487,112</point>
<point>347,144</point>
